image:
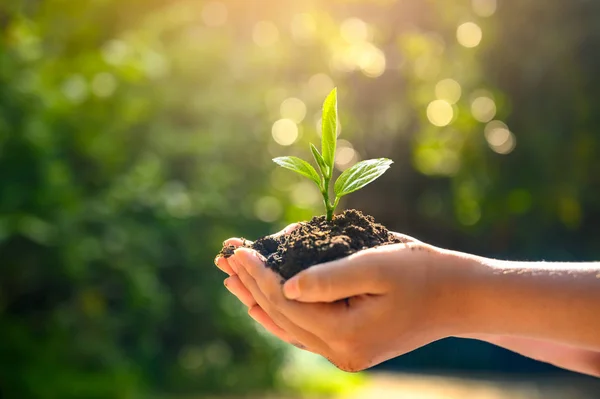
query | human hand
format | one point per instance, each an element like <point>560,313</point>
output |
<point>237,288</point>
<point>397,299</point>
<point>223,263</point>
<point>403,296</point>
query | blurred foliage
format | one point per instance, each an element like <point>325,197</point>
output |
<point>135,136</point>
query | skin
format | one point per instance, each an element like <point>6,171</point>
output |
<point>404,296</point>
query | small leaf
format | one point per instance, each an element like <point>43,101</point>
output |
<point>299,166</point>
<point>319,160</point>
<point>329,129</point>
<point>360,175</point>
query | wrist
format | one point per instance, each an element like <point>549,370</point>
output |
<point>453,282</point>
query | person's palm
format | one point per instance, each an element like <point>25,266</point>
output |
<point>357,311</point>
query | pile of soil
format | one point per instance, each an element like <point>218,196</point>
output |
<point>319,241</point>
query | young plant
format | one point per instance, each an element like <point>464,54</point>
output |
<point>352,179</point>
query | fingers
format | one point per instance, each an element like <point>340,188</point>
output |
<point>223,265</point>
<point>286,230</point>
<point>236,242</point>
<point>268,303</point>
<point>358,274</point>
<point>222,262</point>
<point>262,318</point>
<point>403,237</point>
<point>312,317</point>
<point>236,287</point>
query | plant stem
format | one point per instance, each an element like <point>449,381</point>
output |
<point>328,207</point>
<point>330,214</point>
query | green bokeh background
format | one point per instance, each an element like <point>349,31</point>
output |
<point>136,135</point>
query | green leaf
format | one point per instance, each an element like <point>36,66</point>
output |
<point>329,129</point>
<point>319,160</point>
<point>299,166</point>
<point>360,175</point>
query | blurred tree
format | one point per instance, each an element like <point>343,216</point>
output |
<point>135,136</point>
<point>114,201</point>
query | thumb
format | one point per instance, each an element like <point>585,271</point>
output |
<point>329,282</point>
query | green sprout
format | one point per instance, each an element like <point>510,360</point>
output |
<point>352,179</point>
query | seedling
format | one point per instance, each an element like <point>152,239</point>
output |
<point>352,179</point>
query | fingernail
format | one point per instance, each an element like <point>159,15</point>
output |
<point>225,282</point>
<point>291,289</point>
<point>216,261</point>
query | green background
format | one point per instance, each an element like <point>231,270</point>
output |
<point>136,135</point>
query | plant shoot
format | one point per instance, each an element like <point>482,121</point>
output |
<point>352,179</point>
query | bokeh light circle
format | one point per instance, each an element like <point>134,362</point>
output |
<point>285,132</point>
<point>440,113</point>
<point>469,34</point>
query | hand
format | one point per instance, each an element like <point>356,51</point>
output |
<point>223,263</point>
<point>395,302</point>
<point>237,288</point>
<point>467,294</point>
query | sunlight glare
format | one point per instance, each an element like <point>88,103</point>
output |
<point>500,139</point>
<point>440,113</point>
<point>345,155</point>
<point>371,61</point>
<point>469,34</point>
<point>285,132</point>
<point>320,84</point>
<point>483,109</point>
<point>354,30</point>
<point>484,8</point>
<point>268,209</point>
<point>448,90</point>
<point>303,28</point>
<point>305,194</point>
<point>214,14</point>
<point>294,109</point>
<point>265,33</point>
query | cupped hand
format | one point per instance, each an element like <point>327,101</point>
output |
<point>357,311</point>
<point>235,285</point>
<point>223,263</point>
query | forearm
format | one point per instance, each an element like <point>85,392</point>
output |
<point>545,301</point>
<point>560,355</point>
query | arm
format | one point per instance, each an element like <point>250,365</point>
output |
<point>557,302</point>
<point>560,355</point>
<point>546,311</point>
<point>405,296</point>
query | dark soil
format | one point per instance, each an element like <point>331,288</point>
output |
<point>319,241</point>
